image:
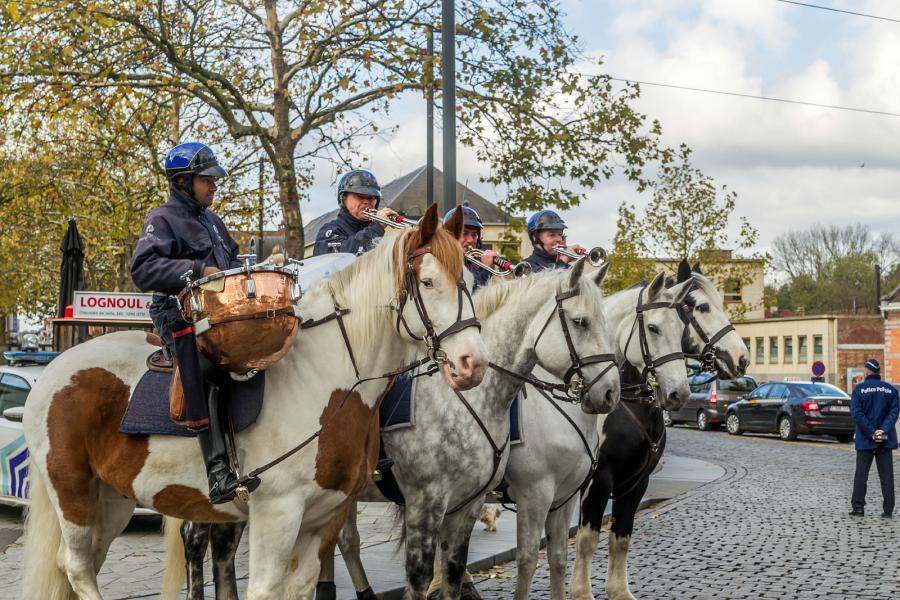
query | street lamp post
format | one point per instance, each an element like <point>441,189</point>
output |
<point>448,83</point>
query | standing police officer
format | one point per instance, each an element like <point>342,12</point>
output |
<point>875,407</point>
<point>546,231</point>
<point>184,236</point>
<point>352,231</point>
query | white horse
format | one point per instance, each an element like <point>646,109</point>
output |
<point>546,472</point>
<point>88,477</point>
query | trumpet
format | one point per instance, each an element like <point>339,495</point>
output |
<point>503,266</point>
<point>596,256</point>
<point>395,221</point>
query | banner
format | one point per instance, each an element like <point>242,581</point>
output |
<point>111,306</point>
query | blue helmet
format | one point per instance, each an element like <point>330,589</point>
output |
<point>545,220</point>
<point>359,181</point>
<point>470,217</point>
<point>193,158</point>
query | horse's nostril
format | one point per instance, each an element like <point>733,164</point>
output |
<point>609,396</point>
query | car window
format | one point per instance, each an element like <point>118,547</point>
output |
<point>777,390</point>
<point>13,391</point>
<point>761,391</point>
<point>820,389</point>
<point>741,384</point>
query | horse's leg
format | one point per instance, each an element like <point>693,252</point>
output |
<point>349,542</point>
<point>274,533</point>
<point>224,539</point>
<point>557,528</point>
<point>309,550</point>
<point>76,552</point>
<point>196,539</point>
<point>532,507</point>
<point>456,532</point>
<point>325,588</point>
<point>111,521</point>
<point>593,505</point>
<point>422,527</point>
<point>624,510</point>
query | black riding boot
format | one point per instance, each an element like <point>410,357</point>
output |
<point>223,483</point>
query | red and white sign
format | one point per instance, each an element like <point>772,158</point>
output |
<point>111,306</point>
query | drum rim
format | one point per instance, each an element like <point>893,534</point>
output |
<point>237,271</point>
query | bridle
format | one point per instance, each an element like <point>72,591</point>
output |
<point>707,355</point>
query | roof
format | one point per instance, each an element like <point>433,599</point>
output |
<point>29,373</point>
<point>893,296</point>
<point>408,195</point>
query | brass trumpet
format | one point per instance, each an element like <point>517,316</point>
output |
<point>596,256</point>
<point>504,267</point>
<point>395,221</point>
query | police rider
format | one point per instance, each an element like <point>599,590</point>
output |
<point>546,230</point>
<point>184,235</point>
<point>352,231</point>
<point>470,239</point>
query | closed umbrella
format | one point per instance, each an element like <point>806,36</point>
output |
<point>71,271</point>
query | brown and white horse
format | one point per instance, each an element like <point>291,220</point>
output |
<point>88,477</point>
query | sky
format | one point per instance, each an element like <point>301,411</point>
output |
<point>791,166</point>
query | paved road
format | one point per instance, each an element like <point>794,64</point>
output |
<point>775,526</point>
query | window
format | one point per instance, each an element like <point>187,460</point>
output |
<point>777,390</point>
<point>788,348</point>
<point>13,391</point>
<point>801,349</point>
<point>741,384</point>
<point>732,291</point>
<point>746,343</point>
<point>760,350</point>
<point>487,246</point>
<point>821,389</point>
<point>761,391</point>
<point>817,347</point>
<point>773,350</point>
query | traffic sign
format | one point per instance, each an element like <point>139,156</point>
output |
<point>818,368</point>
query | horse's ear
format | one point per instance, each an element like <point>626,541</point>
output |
<point>696,268</point>
<point>656,287</point>
<point>681,294</point>
<point>455,224</point>
<point>600,275</point>
<point>684,271</point>
<point>428,224</point>
<point>576,273</point>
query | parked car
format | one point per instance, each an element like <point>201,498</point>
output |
<point>709,400</point>
<point>793,407</point>
<point>15,383</point>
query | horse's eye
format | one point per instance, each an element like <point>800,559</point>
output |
<point>581,322</point>
<point>704,308</point>
<point>653,328</point>
<point>428,283</point>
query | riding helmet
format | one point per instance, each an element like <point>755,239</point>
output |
<point>359,181</point>
<point>193,158</point>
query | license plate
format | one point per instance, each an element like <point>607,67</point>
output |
<point>844,409</point>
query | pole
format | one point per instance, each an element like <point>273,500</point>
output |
<point>448,75</point>
<point>429,115</point>
<point>262,207</point>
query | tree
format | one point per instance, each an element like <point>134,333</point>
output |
<point>304,80</point>
<point>687,217</point>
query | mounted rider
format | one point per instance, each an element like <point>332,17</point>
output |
<point>184,236</point>
<point>546,231</point>
<point>470,239</point>
<point>352,231</point>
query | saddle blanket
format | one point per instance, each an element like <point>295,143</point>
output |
<point>148,410</point>
<point>398,409</point>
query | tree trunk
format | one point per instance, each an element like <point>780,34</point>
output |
<point>289,199</point>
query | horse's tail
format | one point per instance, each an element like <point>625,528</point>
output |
<point>399,511</point>
<point>43,576</point>
<point>173,576</point>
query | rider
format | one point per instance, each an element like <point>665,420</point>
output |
<point>546,231</point>
<point>470,239</point>
<point>185,236</point>
<point>353,231</point>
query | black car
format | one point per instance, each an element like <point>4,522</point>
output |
<point>709,400</point>
<point>792,407</point>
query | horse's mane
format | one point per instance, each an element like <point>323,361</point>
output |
<point>706,286</point>
<point>492,297</point>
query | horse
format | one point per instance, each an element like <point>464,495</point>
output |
<point>545,474</point>
<point>633,439</point>
<point>324,393</point>
<point>457,448</point>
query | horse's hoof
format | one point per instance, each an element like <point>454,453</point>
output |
<point>468,592</point>
<point>326,590</point>
<point>366,594</point>
<point>435,595</point>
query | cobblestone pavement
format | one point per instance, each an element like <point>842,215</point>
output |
<point>775,526</point>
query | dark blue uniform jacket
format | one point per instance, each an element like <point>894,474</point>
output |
<point>180,236</point>
<point>875,405</point>
<point>541,261</point>
<point>347,234</point>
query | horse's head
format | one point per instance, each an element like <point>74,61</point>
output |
<point>573,342</point>
<point>652,340</point>
<point>435,306</point>
<point>708,328</point>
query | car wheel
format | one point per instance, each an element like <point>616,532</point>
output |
<point>667,419</point>
<point>733,424</point>
<point>786,429</point>
<point>703,421</point>
<point>844,439</point>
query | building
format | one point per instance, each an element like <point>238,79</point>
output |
<point>890,309</point>
<point>783,348</point>
<point>407,195</point>
<point>744,298</point>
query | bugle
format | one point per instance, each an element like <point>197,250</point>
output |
<point>596,256</point>
<point>503,266</point>
<point>395,221</point>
